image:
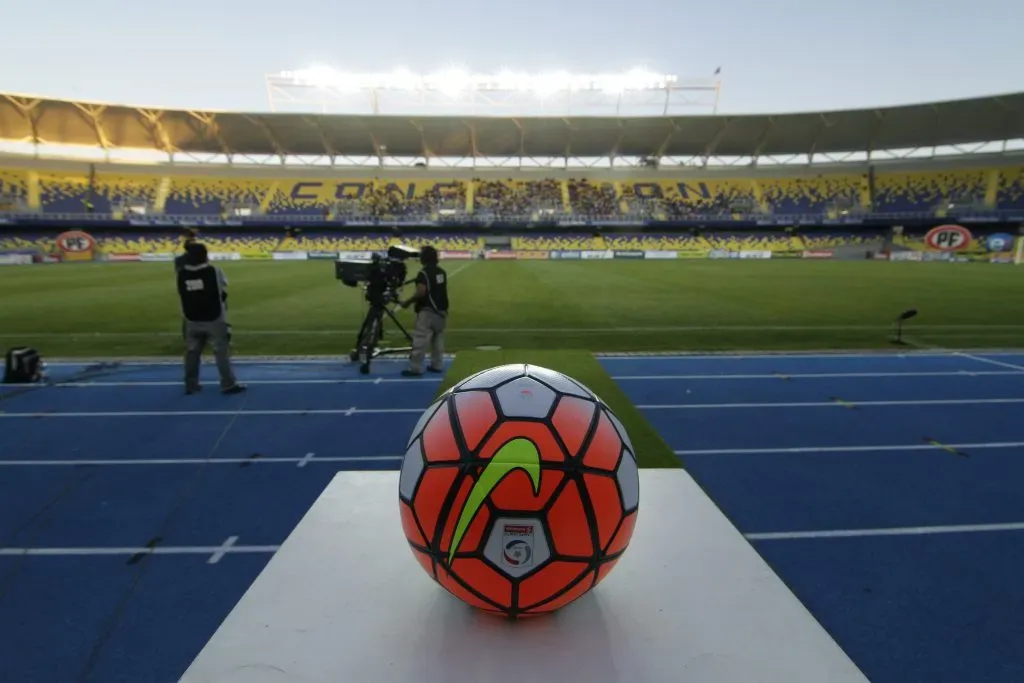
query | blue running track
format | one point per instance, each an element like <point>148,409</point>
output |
<point>886,490</point>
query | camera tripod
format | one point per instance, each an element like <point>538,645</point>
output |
<point>372,333</point>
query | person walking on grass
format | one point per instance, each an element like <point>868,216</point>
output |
<point>203,291</point>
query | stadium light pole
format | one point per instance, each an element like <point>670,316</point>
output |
<point>900,319</point>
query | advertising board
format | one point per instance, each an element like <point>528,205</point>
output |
<point>289,256</point>
<point>949,238</point>
<point>656,255</point>
<point>596,255</point>
<point>156,258</point>
<point>15,259</point>
<point>905,256</point>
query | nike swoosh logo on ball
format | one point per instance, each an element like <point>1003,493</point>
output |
<point>517,454</point>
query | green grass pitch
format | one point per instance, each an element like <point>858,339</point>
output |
<point>299,308</point>
<point>552,313</point>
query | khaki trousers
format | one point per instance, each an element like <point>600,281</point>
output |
<point>197,336</point>
<point>428,335</point>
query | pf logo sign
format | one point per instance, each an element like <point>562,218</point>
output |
<point>75,245</point>
<point>75,242</point>
<point>948,238</point>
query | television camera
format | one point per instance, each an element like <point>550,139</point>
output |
<point>381,278</point>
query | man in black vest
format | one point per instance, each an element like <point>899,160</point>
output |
<point>431,299</point>
<point>203,291</point>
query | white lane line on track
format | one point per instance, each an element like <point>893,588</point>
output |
<point>347,412</point>
<point>800,355</point>
<point>540,330</point>
<point>230,546</point>
<point>822,375</point>
<point>58,384</point>
<point>831,404</point>
<point>890,531</point>
<point>160,361</point>
<point>853,449</point>
<point>215,552</point>
<point>111,462</point>
<point>989,361</point>
<point>327,359</point>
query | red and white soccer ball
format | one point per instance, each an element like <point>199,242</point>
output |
<point>519,490</point>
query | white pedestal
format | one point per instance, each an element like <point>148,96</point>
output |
<point>344,601</point>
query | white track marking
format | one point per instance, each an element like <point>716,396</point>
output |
<point>833,404</point>
<point>300,462</point>
<point>328,359</point>
<point>223,550</point>
<point>794,355</point>
<point>892,531</point>
<point>305,460</point>
<point>989,361</point>
<point>347,412</point>
<point>853,449</point>
<point>239,331</point>
<point>254,382</point>
<point>822,375</point>
<point>211,550</point>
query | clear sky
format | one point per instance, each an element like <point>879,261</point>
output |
<point>778,55</point>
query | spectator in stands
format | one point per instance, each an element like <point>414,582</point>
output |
<point>431,299</point>
<point>202,289</point>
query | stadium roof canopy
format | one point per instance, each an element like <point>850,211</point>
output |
<point>37,120</point>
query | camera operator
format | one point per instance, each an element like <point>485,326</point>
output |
<point>202,289</point>
<point>179,262</point>
<point>431,299</point>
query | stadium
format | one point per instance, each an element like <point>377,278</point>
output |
<point>730,285</point>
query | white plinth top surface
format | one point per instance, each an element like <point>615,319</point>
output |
<point>344,601</point>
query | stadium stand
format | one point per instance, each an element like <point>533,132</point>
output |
<point>824,196</point>
<point>769,193</point>
<point>1010,192</point>
<point>252,245</point>
<point>163,243</point>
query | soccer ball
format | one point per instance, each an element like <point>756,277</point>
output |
<point>519,490</point>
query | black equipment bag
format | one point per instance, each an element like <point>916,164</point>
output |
<point>23,366</point>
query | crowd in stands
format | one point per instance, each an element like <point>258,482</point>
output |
<point>828,195</point>
<point>168,242</point>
